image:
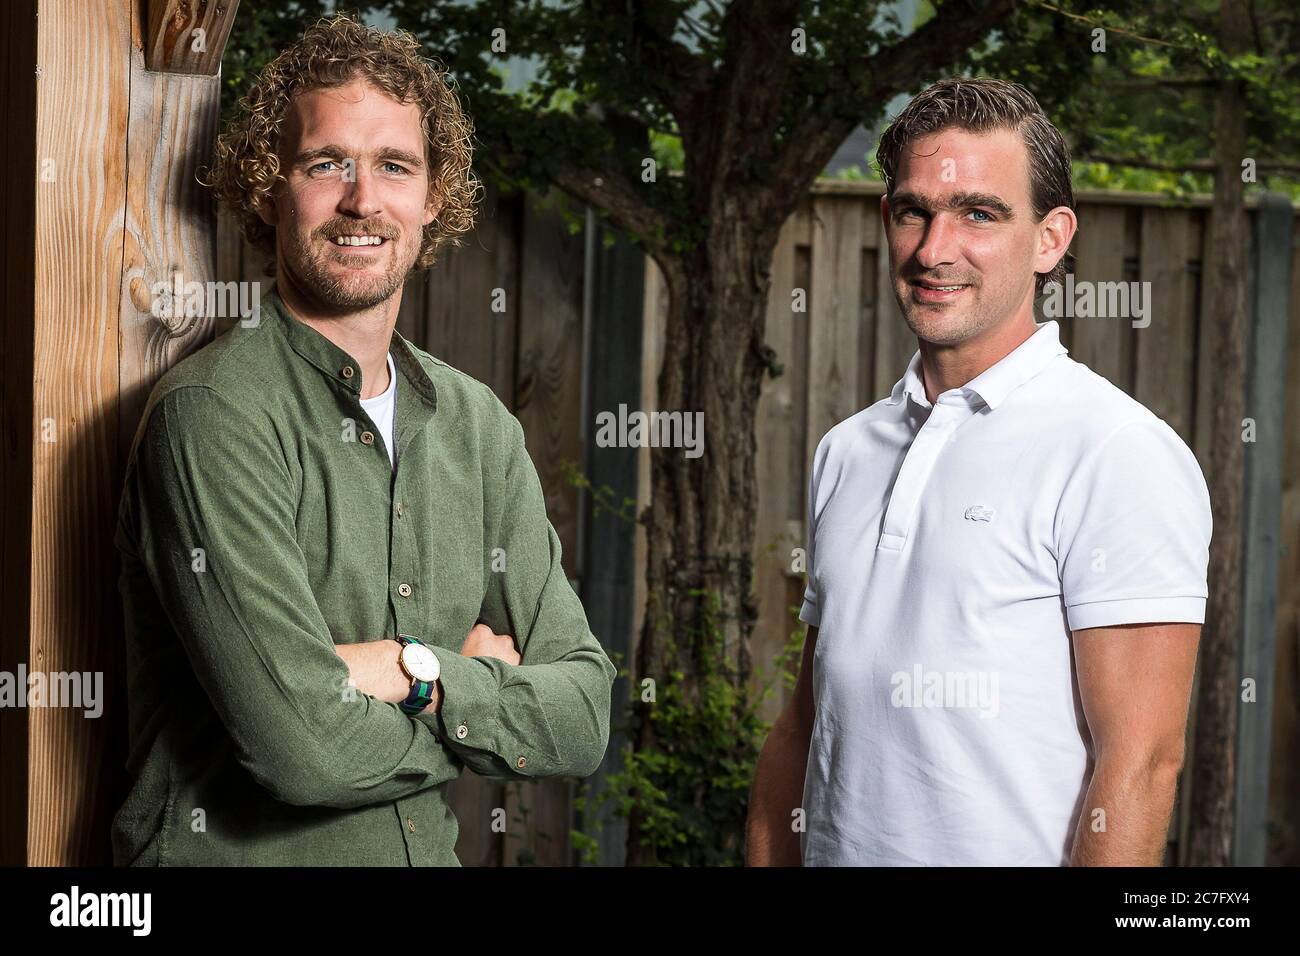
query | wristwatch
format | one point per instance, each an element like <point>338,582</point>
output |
<point>420,664</point>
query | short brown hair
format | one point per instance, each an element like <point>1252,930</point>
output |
<point>979,105</point>
<point>333,52</point>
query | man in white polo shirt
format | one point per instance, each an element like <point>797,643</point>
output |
<point>1007,555</point>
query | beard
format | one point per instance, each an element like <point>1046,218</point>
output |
<point>344,281</point>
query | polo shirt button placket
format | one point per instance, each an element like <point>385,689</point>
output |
<point>918,464</point>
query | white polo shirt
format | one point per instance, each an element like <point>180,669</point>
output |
<point>952,549</point>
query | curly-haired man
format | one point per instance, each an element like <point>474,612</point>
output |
<point>340,584</point>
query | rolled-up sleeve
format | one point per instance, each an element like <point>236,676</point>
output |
<point>212,509</point>
<point>549,715</point>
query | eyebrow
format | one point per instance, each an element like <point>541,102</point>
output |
<point>336,152</point>
<point>954,202</point>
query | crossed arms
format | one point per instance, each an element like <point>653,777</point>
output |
<point>213,477</point>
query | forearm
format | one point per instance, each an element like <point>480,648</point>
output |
<point>529,720</point>
<point>373,669</point>
<point>552,716</point>
<point>771,837</point>
<point>1125,817</point>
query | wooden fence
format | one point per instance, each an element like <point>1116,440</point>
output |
<point>841,354</point>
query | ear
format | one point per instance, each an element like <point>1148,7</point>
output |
<point>1058,229</point>
<point>266,211</point>
<point>884,212</point>
<point>432,209</point>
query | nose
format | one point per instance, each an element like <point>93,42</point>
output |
<point>360,198</point>
<point>940,245</point>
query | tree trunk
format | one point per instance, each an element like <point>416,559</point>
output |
<point>702,518</point>
<point>1210,823</point>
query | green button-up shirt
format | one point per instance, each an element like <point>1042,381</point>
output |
<point>261,524</point>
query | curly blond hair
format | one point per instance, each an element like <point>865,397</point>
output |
<point>333,52</point>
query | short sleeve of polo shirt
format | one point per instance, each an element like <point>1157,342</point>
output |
<point>810,612</point>
<point>1133,532</point>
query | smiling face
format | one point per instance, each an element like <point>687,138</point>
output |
<point>349,219</point>
<point>964,243</point>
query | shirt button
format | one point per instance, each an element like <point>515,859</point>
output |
<point>367,438</point>
<point>521,762</point>
<point>401,509</point>
<point>404,589</point>
<point>348,371</point>
<point>462,732</point>
<point>410,824</point>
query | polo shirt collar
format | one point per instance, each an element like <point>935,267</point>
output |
<point>995,383</point>
<point>336,363</point>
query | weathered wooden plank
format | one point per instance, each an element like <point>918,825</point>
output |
<point>895,343</point>
<point>873,232</point>
<point>82,113</point>
<point>548,403</point>
<point>834,318</point>
<point>1274,223</point>
<point>1102,344</point>
<point>774,428</point>
<point>187,37</point>
<point>1163,369</point>
<point>1284,778</point>
<point>466,287</point>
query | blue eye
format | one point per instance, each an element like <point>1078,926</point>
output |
<point>328,162</point>
<point>400,169</point>
<point>981,212</point>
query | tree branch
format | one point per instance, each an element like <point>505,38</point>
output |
<point>1080,18</point>
<point>687,74</point>
<point>1192,166</point>
<point>894,70</point>
<point>619,199</point>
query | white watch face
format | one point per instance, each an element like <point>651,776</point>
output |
<point>420,662</point>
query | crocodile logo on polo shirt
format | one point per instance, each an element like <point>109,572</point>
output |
<point>979,513</point>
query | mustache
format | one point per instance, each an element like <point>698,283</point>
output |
<point>344,228</point>
<point>938,278</point>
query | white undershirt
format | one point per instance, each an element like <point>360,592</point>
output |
<point>380,409</point>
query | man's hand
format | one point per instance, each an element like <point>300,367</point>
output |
<point>481,642</point>
<point>373,666</point>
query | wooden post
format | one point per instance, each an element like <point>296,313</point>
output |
<point>104,207</point>
<point>1270,276</point>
